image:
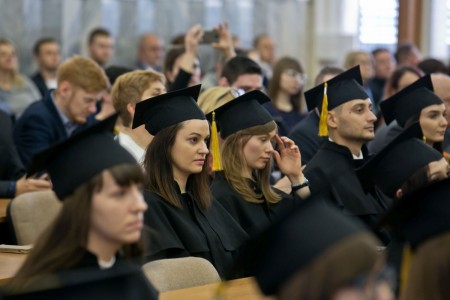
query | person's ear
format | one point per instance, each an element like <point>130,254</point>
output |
<point>131,108</point>
<point>64,89</point>
<point>332,120</point>
<point>399,193</point>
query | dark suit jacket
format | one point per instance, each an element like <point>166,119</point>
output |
<point>11,167</point>
<point>40,83</point>
<point>39,127</point>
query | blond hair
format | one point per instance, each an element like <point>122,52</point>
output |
<point>214,97</point>
<point>83,73</point>
<point>17,79</point>
<point>128,89</point>
<point>234,163</point>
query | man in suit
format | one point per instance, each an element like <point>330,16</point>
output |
<point>12,179</point>
<point>101,46</point>
<point>68,108</point>
<point>150,54</point>
<point>47,55</point>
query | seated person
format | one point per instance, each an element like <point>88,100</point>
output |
<point>70,107</point>
<point>189,221</point>
<point>128,90</point>
<point>100,223</point>
<point>249,135</point>
<point>12,173</point>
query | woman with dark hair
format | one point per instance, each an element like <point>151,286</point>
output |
<point>418,103</point>
<point>188,220</point>
<point>100,223</point>
<point>401,78</point>
<point>249,142</point>
<point>285,91</point>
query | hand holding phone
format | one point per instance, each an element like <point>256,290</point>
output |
<point>210,37</point>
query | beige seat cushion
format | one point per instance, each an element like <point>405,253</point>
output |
<point>179,273</point>
<point>31,213</point>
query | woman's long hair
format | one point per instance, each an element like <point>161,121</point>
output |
<point>234,164</point>
<point>159,179</point>
<point>63,244</point>
<point>282,65</point>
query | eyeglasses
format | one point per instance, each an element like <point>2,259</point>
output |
<point>295,73</point>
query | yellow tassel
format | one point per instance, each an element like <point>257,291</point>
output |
<point>214,145</point>
<point>424,138</point>
<point>405,267</point>
<point>323,128</point>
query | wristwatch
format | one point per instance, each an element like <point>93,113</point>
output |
<point>300,186</point>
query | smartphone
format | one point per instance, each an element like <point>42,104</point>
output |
<point>210,36</point>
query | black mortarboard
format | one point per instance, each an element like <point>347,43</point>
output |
<point>294,242</point>
<point>396,162</point>
<point>421,215</point>
<point>410,101</point>
<point>341,88</point>
<point>168,109</point>
<point>243,112</point>
<point>77,159</point>
<point>113,72</point>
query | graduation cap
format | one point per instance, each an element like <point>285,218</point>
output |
<point>342,88</point>
<point>421,215</point>
<point>77,159</point>
<point>397,161</point>
<point>410,101</point>
<point>243,112</point>
<point>168,109</point>
<point>294,242</point>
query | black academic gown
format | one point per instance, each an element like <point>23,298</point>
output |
<point>306,136</point>
<point>331,172</point>
<point>253,217</point>
<point>124,280</point>
<point>192,231</point>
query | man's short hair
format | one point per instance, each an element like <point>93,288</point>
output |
<point>239,65</point>
<point>327,70</point>
<point>129,88</point>
<point>403,50</point>
<point>379,50</point>
<point>98,32</point>
<point>42,41</point>
<point>83,73</point>
<point>258,39</point>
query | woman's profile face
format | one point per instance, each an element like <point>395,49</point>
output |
<point>433,123</point>
<point>190,148</point>
<point>258,151</point>
<point>8,58</point>
<point>117,214</point>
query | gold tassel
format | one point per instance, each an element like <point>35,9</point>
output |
<point>214,146</point>
<point>424,138</point>
<point>323,128</point>
<point>405,267</point>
